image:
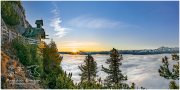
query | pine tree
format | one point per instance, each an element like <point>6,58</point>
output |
<point>166,73</point>
<point>54,55</point>
<point>172,85</point>
<point>22,50</point>
<point>175,57</point>
<point>115,76</point>
<point>164,70</point>
<point>52,58</point>
<point>89,71</point>
<point>64,81</point>
<point>52,64</point>
<point>54,77</point>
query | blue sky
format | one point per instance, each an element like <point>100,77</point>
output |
<point>96,26</point>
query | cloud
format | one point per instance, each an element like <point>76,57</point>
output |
<point>94,23</point>
<point>140,69</point>
<point>56,22</point>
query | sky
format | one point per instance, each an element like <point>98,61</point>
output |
<point>101,26</point>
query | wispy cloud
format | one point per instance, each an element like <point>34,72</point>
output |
<point>95,23</point>
<point>56,22</point>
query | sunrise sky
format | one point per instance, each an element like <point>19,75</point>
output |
<point>99,26</point>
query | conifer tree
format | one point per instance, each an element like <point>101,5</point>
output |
<point>175,57</point>
<point>22,50</point>
<point>173,85</point>
<point>89,71</point>
<point>165,72</point>
<point>52,58</point>
<point>115,76</point>
<point>54,77</point>
<point>164,69</point>
<point>64,81</point>
<point>54,55</point>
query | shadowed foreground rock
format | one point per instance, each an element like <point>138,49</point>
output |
<point>14,75</point>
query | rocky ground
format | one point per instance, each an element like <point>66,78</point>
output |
<point>14,75</point>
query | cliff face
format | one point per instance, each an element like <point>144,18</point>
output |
<point>22,18</point>
<point>13,20</point>
<point>13,14</point>
<point>13,24</point>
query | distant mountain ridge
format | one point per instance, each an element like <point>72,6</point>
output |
<point>159,50</point>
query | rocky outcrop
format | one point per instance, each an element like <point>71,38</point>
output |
<point>14,74</point>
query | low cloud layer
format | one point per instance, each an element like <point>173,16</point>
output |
<point>140,69</point>
<point>56,22</point>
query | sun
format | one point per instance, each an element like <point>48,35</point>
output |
<point>74,51</point>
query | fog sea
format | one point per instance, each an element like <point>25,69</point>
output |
<point>140,69</point>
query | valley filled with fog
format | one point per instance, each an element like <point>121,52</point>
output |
<point>140,69</point>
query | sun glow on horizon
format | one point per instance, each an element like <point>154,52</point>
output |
<point>90,46</point>
<point>74,51</point>
<point>78,46</point>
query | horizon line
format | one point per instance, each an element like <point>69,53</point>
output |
<point>119,49</point>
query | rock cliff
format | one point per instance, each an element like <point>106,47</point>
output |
<point>13,23</point>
